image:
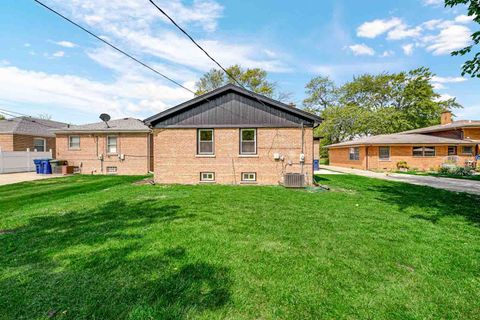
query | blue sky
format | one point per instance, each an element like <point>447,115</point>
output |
<point>49,66</point>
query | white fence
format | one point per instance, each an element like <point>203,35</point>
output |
<point>20,161</point>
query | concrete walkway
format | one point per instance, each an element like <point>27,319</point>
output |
<point>458,185</point>
<point>9,178</point>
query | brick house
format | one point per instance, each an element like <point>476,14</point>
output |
<point>232,136</point>
<point>453,142</point>
<point>121,146</point>
<point>22,133</point>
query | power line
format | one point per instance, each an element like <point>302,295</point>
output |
<point>113,46</point>
<point>16,115</point>
<point>204,51</point>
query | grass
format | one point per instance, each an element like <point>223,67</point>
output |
<point>99,247</point>
<point>440,175</point>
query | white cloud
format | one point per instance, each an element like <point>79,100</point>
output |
<point>387,53</point>
<point>66,44</point>
<point>132,94</point>
<point>373,29</point>
<point>438,86</point>
<point>402,32</point>
<point>433,2</point>
<point>468,113</point>
<point>58,54</point>
<point>340,71</point>
<point>449,39</point>
<point>445,96</point>
<point>448,79</point>
<point>408,49</point>
<point>27,45</point>
<point>463,19</point>
<point>361,50</point>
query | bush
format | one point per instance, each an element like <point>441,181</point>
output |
<point>456,171</point>
<point>402,165</point>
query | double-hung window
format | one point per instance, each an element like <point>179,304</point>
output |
<point>428,151</point>
<point>468,150</point>
<point>111,144</point>
<point>39,144</point>
<point>248,141</point>
<point>384,153</point>
<point>354,153</point>
<point>205,142</point>
<point>74,142</point>
<point>452,150</point>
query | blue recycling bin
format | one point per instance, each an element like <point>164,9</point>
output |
<point>316,165</point>
<point>46,167</point>
<point>38,165</point>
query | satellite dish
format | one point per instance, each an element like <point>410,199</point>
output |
<point>105,118</point>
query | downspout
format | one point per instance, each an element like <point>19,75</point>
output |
<point>303,151</point>
<point>366,157</point>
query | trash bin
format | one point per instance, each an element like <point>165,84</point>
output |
<point>57,165</point>
<point>316,165</point>
<point>38,165</point>
<point>46,167</point>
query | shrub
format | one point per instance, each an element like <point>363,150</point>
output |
<point>462,171</point>
<point>402,165</point>
<point>444,170</point>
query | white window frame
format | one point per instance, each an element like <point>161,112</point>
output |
<point>469,153</point>
<point>199,135</point>
<point>44,144</point>
<point>423,151</point>
<point>70,142</point>
<point>254,141</point>
<point>109,145</point>
<point>108,171</point>
<point>380,154</point>
<point>204,176</point>
<point>350,153</point>
<point>249,176</point>
<point>453,154</point>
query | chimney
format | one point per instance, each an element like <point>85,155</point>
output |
<point>292,105</point>
<point>446,117</point>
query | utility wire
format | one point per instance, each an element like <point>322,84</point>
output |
<point>205,51</point>
<point>113,46</point>
<point>16,115</point>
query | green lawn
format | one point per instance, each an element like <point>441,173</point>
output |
<point>441,175</point>
<point>91,247</point>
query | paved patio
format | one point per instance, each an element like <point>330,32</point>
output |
<point>458,185</point>
<point>9,178</point>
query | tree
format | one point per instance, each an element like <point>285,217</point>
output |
<point>254,79</point>
<point>471,66</point>
<point>321,93</point>
<point>381,104</point>
<point>2,117</point>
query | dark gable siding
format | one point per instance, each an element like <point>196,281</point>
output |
<point>232,109</point>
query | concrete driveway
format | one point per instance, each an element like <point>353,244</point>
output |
<point>458,185</point>
<point>9,178</point>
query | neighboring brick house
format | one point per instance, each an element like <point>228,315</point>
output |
<point>121,147</point>
<point>22,133</point>
<point>232,136</point>
<point>453,142</point>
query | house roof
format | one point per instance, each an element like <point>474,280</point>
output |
<point>444,127</point>
<point>30,126</point>
<point>117,125</point>
<point>230,87</point>
<point>401,138</point>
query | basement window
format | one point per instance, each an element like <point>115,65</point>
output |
<point>354,153</point>
<point>207,176</point>
<point>249,176</point>
<point>111,170</point>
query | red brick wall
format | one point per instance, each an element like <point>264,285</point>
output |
<point>16,142</point>
<point>133,145</point>
<point>339,157</point>
<point>176,159</point>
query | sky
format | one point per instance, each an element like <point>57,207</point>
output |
<point>48,66</point>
